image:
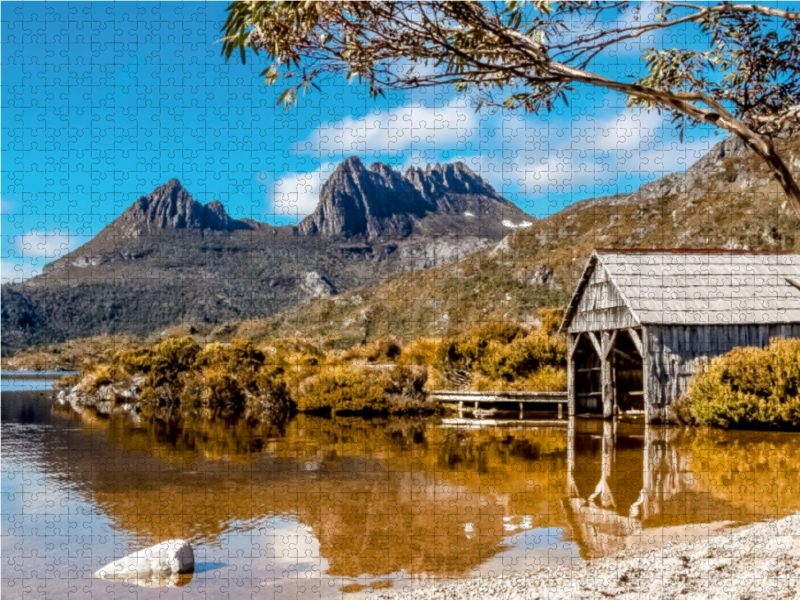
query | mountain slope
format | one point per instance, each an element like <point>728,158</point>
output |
<point>169,259</point>
<point>728,199</point>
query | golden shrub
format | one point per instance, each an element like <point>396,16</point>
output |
<point>747,387</point>
<point>419,352</point>
<point>345,389</point>
<point>551,319</point>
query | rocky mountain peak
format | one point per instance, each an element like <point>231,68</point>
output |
<point>380,201</point>
<point>170,207</point>
<point>450,178</point>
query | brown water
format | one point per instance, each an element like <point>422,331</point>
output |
<point>346,507</point>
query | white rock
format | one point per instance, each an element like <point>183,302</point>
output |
<point>159,563</point>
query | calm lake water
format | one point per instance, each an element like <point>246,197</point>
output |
<point>327,508</point>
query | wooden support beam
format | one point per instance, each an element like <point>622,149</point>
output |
<point>596,343</point>
<point>574,345</point>
<point>608,342</point>
<point>637,341</point>
<point>626,355</point>
<point>606,377</point>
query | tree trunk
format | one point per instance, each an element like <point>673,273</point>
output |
<point>781,171</point>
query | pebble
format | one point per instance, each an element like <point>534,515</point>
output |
<point>760,561</point>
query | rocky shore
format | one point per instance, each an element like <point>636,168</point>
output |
<point>760,561</point>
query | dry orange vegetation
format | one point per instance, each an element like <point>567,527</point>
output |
<point>747,387</point>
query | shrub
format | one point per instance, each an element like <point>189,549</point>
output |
<point>408,382</point>
<point>547,379</point>
<point>551,319</point>
<point>420,352</point>
<point>747,387</point>
<point>100,375</point>
<point>212,391</point>
<point>384,350</point>
<point>349,389</point>
<point>523,356</point>
<point>345,389</point>
<point>502,356</point>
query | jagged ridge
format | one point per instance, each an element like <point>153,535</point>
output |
<point>170,207</point>
<point>379,201</point>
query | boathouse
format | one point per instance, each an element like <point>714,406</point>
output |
<point>640,320</point>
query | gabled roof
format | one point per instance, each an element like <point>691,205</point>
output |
<point>700,287</point>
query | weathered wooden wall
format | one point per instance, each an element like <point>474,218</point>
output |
<point>669,351</point>
<point>601,306</point>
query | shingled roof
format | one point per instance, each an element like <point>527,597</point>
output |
<point>700,287</point>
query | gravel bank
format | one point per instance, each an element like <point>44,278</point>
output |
<point>753,562</point>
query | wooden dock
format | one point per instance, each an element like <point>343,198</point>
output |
<point>475,399</point>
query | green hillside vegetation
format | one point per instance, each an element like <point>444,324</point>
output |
<point>746,388</point>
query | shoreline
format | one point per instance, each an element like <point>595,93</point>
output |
<point>760,560</point>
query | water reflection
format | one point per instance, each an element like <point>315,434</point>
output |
<point>632,487</point>
<point>347,503</point>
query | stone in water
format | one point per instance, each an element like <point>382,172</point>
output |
<point>159,565</point>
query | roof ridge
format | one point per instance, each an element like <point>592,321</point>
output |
<point>736,251</point>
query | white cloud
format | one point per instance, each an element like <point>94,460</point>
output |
<point>12,271</point>
<point>629,130</point>
<point>298,193</point>
<point>45,244</point>
<point>394,131</point>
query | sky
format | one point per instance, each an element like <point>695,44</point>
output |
<point>103,102</point>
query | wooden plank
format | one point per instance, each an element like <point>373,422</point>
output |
<point>625,355</point>
<point>606,382</point>
<point>646,380</point>
<point>533,397</point>
<point>574,345</point>
<point>596,343</point>
<point>609,342</point>
<point>637,341</point>
<point>572,341</point>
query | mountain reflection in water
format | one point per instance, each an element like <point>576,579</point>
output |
<point>322,505</point>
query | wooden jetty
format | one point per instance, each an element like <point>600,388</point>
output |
<point>475,399</point>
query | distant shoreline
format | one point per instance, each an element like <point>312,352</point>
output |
<point>755,561</point>
<point>24,374</point>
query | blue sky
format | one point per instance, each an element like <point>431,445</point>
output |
<point>103,102</point>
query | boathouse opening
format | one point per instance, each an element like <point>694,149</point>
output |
<point>627,370</point>
<point>586,374</point>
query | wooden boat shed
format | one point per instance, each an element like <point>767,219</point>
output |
<point>640,319</point>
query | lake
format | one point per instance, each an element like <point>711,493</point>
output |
<point>327,508</point>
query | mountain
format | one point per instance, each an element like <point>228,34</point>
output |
<point>727,199</point>
<point>170,208</point>
<point>168,259</point>
<point>378,202</point>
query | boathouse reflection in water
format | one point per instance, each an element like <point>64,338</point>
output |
<point>352,498</point>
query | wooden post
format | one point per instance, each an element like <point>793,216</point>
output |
<point>647,379</point>
<point>560,410</point>
<point>607,383</point>
<point>572,344</point>
<point>460,409</point>
<point>520,410</point>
